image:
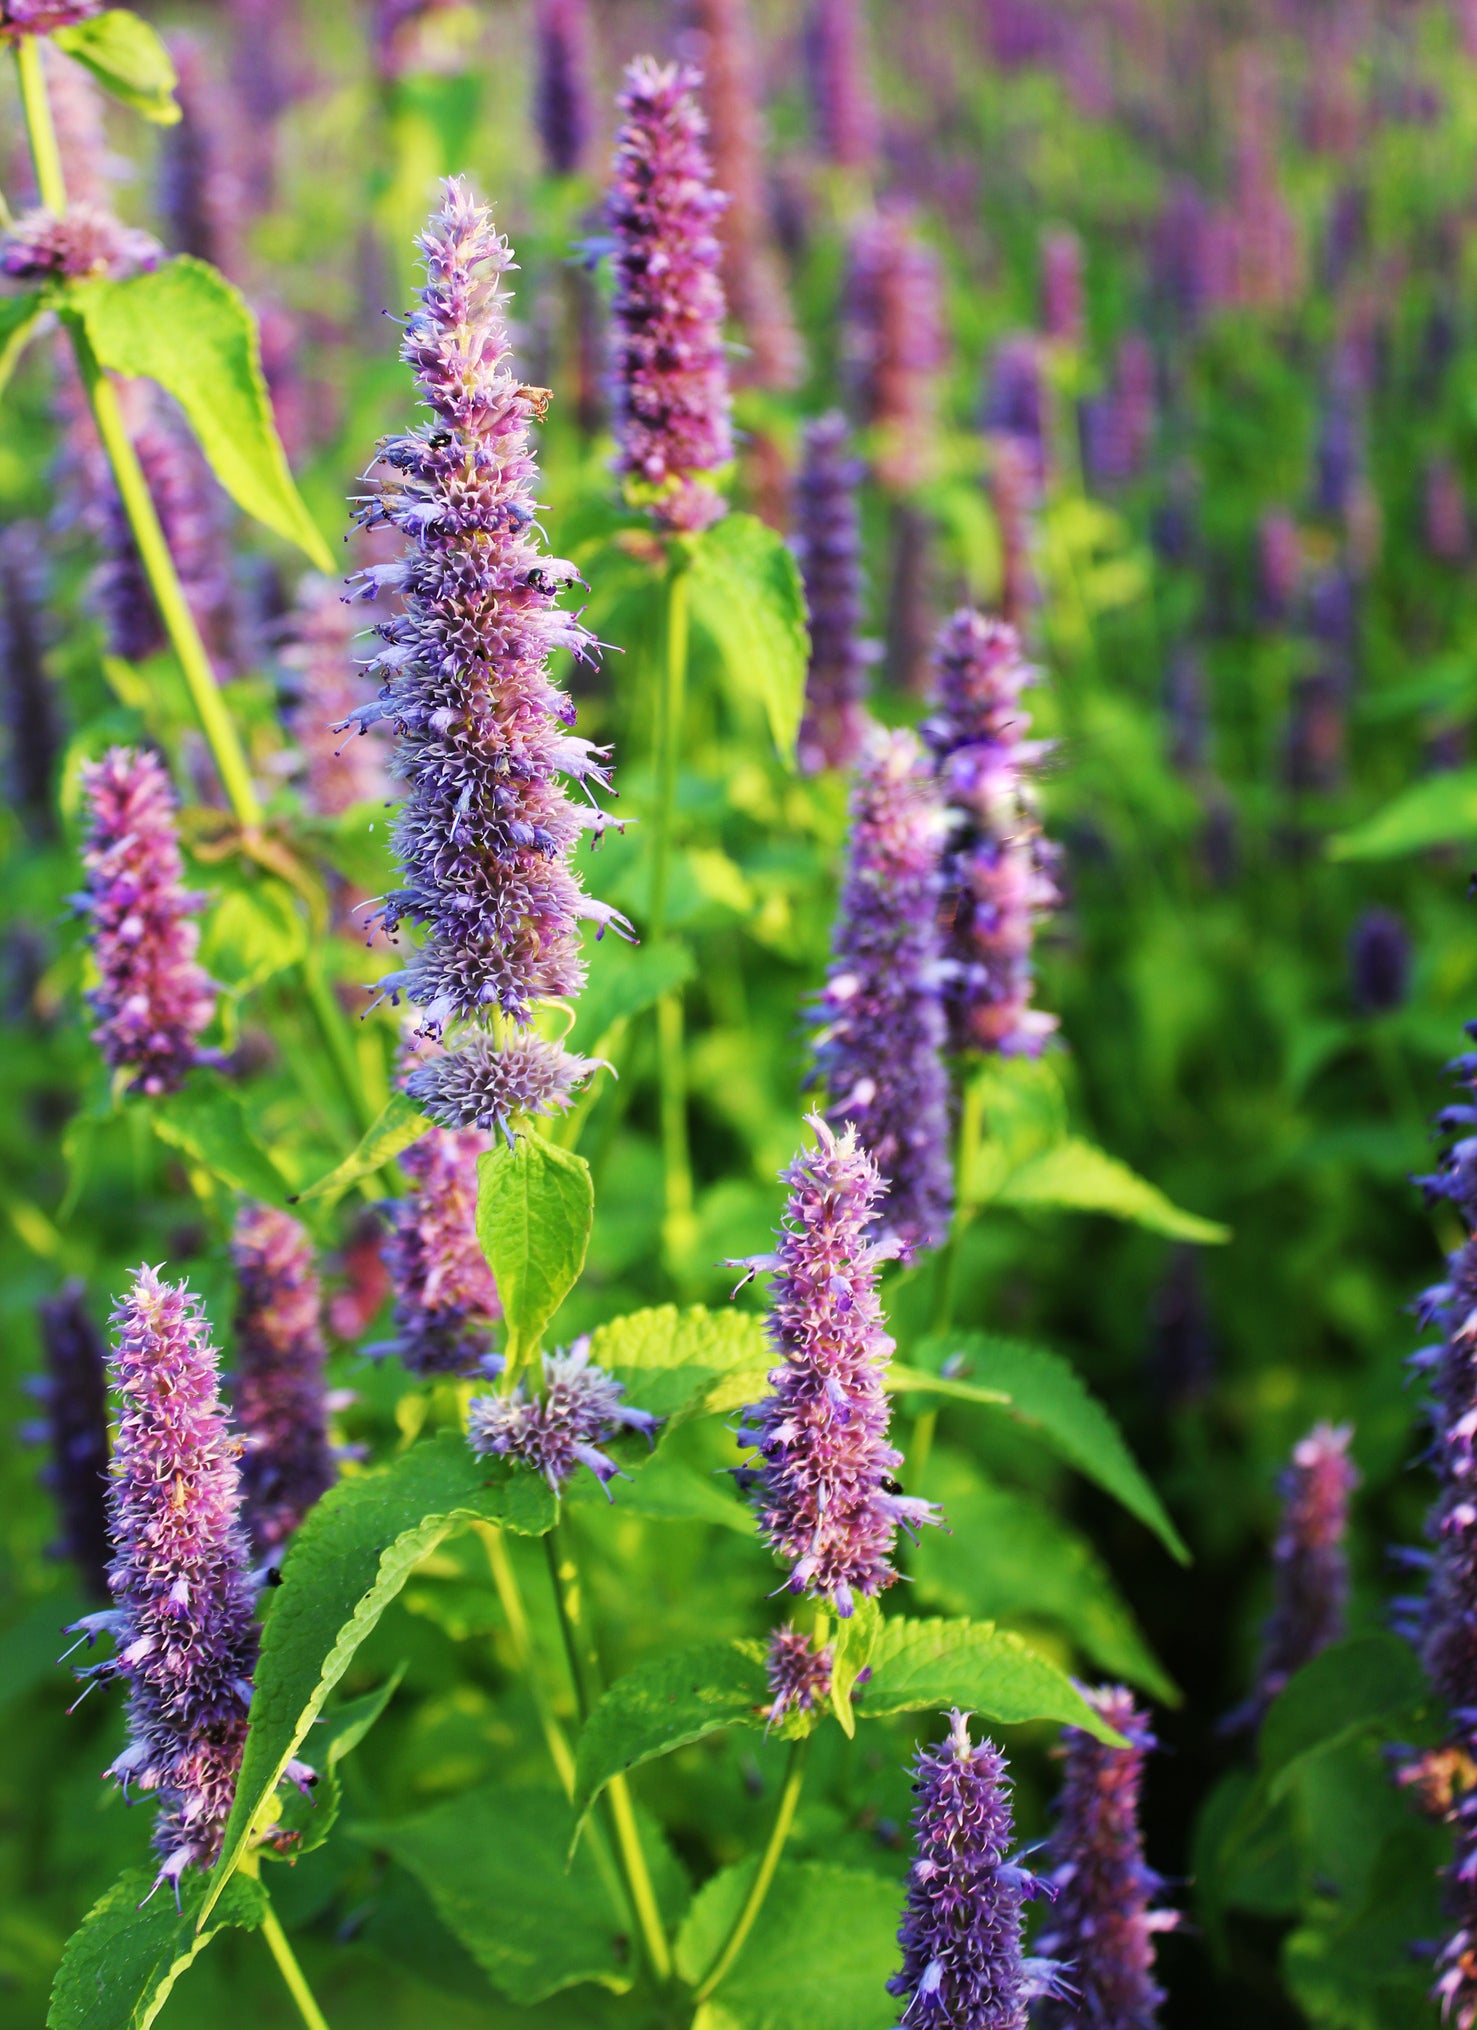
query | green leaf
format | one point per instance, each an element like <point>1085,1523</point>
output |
<point>746,593</point>
<point>625,980</point>
<point>901,1379</point>
<point>206,1120</point>
<point>1352,1966</point>
<point>1440,811</point>
<point>251,934</point>
<point>667,1489</point>
<point>928,1666</point>
<point>128,60</point>
<point>400,1123</point>
<point>1077,1176</point>
<point>122,1961</point>
<point>669,1361</point>
<point>1349,1688</point>
<point>495,1862</point>
<point>185,327</point>
<point>18,316</point>
<point>1044,1391</point>
<point>665,1703</point>
<point>819,1955</point>
<point>853,1648</point>
<point>352,1555</point>
<point>535,1207</point>
<point>313,1818</point>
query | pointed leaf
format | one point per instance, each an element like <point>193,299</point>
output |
<point>854,1645</point>
<point>1348,1689</point>
<point>921,1666</point>
<point>1077,1176</point>
<point>667,1489</point>
<point>746,593</point>
<point>207,1121</point>
<point>535,1206</point>
<point>400,1123</point>
<point>668,1360</point>
<point>312,1818</point>
<point>18,316</point>
<point>122,1961</point>
<point>1441,811</point>
<point>128,60</point>
<point>818,1958</point>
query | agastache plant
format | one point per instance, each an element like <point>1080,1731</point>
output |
<point>879,1046</point>
<point>799,1673</point>
<point>824,1486</point>
<point>43,17</point>
<point>73,1395</point>
<point>152,999</point>
<point>843,105</point>
<point>829,548</point>
<point>669,370</point>
<point>445,1299</point>
<point>964,1964</point>
<point>561,1428</point>
<point>1310,1567</point>
<point>339,769</point>
<point>30,708</point>
<point>562,107</point>
<point>893,343</point>
<point>279,1392</point>
<point>999,869</point>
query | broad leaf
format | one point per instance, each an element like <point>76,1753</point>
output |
<point>311,1819</point>
<point>819,1955</point>
<point>1353,1966</point>
<point>746,593</point>
<point>854,1645</point>
<point>206,1120</point>
<point>18,317</point>
<point>400,1123</point>
<point>187,328</point>
<point>928,1666</point>
<point>251,934</point>
<point>682,1696</point>
<point>1441,811</point>
<point>128,60</point>
<point>1077,1176</point>
<point>1043,1390</point>
<point>669,1360</point>
<point>625,980</point>
<point>1350,1688</point>
<point>535,1207</point>
<point>901,1379</point>
<point>667,1489</point>
<point>354,1552</point>
<point>122,1961</point>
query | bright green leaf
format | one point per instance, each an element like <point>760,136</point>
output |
<point>819,1955</point>
<point>122,1961</point>
<point>1351,1687</point>
<point>535,1207</point>
<point>1076,1176</point>
<point>253,933</point>
<point>1440,811</point>
<point>313,1818</point>
<point>746,593</point>
<point>186,327</point>
<point>625,980</point>
<point>352,1555</point>
<point>667,1489</point>
<point>207,1121</point>
<point>400,1123</point>
<point>853,1647</point>
<point>900,1379</point>
<point>668,1361</point>
<point>128,60</point>
<point>18,316</point>
<point>923,1666</point>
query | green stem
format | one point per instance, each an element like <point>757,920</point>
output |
<point>779,1832</point>
<point>676,1154</point>
<point>329,1017</point>
<point>584,1668</point>
<point>514,1613</point>
<point>46,157</point>
<point>671,1062</point>
<point>291,1972</point>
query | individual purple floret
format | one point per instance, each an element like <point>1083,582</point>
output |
<point>43,17</point>
<point>85,240</point>
<point>669,370</point>
<point>562,109</point>
<point>893,342</point>
<point>799,1676</point>
<point>29,706</point>
<point>185,1636</point>
<point>843,105</point>
<point>824,1490</point>
<point>487,831</point>
<point>152,1000</point>
<point>445,1296</point>
<point>484,1084</point>
<point>999,870</point>
<point>1310,1567</point>
<point>562,1429</point>
<point>828,545</point>
<point>287,1462</point>
<point>1379,963</point>
<point>964,1967</point>
<point>339,769</point>
<point>1104,1922</point>
<point>74,1396</point>
<point>879,1047</point>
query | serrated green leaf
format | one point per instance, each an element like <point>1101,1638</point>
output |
<point>352,1555</point>
<point>121,1963</point>
<point>1349,1688</point>
<point>400,1123</point>
<point>901,1379</point>
<point>626,980</point>
<point>128,60</point>
<point>818,1958</point>
<point>18,318</point>
<point>923,1666</point>
<point>312,1818</point>
<point>668,1361</point>
<point>1045,1391</point>
<point>207,1120</point>
<point>495,1862</point>
<point>667,1489</point>
<point>1077,1176</point>
<point>746,593</point>
<point>1441,811</point>
<point>252,933</point>
<point>535,1207</point>
<point>186,327</point>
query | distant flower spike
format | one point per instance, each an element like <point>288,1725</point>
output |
<point>74,1395</point>
<point>563,1428</point>
<point>562,97</point>
<point>843,105</point>
<point>279,1389</point>
<point>829,547</point>
<point>445,1296</point>
<point>799,1676</point>
<point>340,769</point>
<point>894,342</point>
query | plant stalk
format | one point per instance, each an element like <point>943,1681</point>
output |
<point>46,156</point>
<point>779,1832</point>
<point>671,1061</point>
<point>291,1972</point>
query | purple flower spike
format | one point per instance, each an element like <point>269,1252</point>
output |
<point>799,1676</point>
<point>998,868</point>
<point>824,1490</point>
<point>562,93</point>
<point>185,1638</point>
<point>29,706</point>
<point>85,240</point>
<point>1379,963</point>
<point>43,17</point>
<point>829,546</point>
<point>152,1000</point>
<point>74,1395</point>
<point>894,344</point>
<point>563,1429</point>
<point>668,366</point>
<point>484,1084</point>
<point>1310,1570</point>
<point>279,1393</point>
<point>488,829</point>
<point>1104,1924</point>
<point>963,1963</point>
<point>339,769</point>
<point>879,1048</point>
<point>843,106</point>
<point>445,1296</point>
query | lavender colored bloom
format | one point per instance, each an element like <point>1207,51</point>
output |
<point>1317,732</point>
<point>86,239</point>
<point>81,132</point>
<point>483,1084</point>
<point>562,1429</point>
<point>202,197</point>
<point>1014,490</point>
<point>74,1395</point>
<point>879,1044</point>
<point>1279,566</point>
<point>669,368</point>
<point>893,342</point>
<point>404,37</point>
<point>828,545</point>
<point>339,769</point>
<point>562,93</point>
<point>1444,512</point>
<point>279,1395</point>
<point>1182,1349</point>
<point>964,1967</point>
<point>843,104</point>
<point>1187,710</point>
<point>1104,1922</point>
<point>487,830</point>
<point>445,1296</point>
<point>823,1491</point>
<point>1015,402</point>
<point>1061,287</point>
<point>185,1638</point>
<point>152,1000</point>
<point>998,868</point>
<point>799,1676</point>
<point>43,17</point>
<point>1379,963</point>
<point>29,705</point>
<point>1310,1570</point>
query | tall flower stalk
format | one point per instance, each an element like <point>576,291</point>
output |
<point>829,548</point>
<point>1310,1566</point>
<point>74,1397</point>
<point>279,1391</point>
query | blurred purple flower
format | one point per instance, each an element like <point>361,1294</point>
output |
<point>829,547</point>
<point>445,1296</point>
<point>1015,403</point>
<point>29,704</point>
<point>562,109</point>
<point>340,769</point>
<point>1310,1569</point>
<point>799,1676</point>
<point>1061,287</point>
<point>838,72</point>
<point>202,196</point>
<point>279,1392</point>
<point>1444,512</point>
<point>893,342</point>
<point>1279,566</point>
<point>43,17</point>
<point>74,1396</point>
<point>1379,963</point>
<point>562,1429</point>
<point>85,240</point>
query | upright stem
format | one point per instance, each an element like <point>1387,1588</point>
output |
<point>291,1972</point>
<point>511,1601</point>
<point>671,1061</point>
<point>331,1025</point>
<point>46,157</point>
<point>779,1832</point>
<point>584,1668</point>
